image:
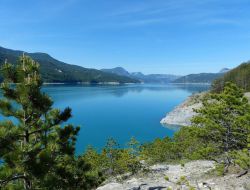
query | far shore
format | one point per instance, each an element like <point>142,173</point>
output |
<point>118,83</point>
<point>202,83</point>
<point>88,83</point>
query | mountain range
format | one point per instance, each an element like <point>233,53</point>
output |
<point>199,78</point>
<point>150,78</point>
<point>202,77</point>
<point>168,78</point>
<point>56,71</point>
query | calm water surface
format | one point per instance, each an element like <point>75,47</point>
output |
<point>120,112</point>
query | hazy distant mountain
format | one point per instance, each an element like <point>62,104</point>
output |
<point>53,70</point>
<point>118,71</point>
<point>151,78</point>
<point>199,78</point>
<point>155,78</point>
<point>137,74</point>
<point>224,70</point>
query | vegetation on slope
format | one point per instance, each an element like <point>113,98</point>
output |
<point>53,70</point>
<point>240,76</point>
<point>35,151</point>
<point>199,78</point>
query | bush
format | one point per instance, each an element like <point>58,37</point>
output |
<point>160,150</point>
<point>166,178</point>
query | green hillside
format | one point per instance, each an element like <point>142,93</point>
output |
<point>56,71</point>
<point>240,75</point>
<point>199,78</point>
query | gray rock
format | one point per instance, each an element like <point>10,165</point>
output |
<point>111,186</point>
<point>195,172</point>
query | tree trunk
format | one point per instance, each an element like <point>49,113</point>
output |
<point>27,184</point>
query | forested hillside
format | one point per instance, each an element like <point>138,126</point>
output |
<point>199,78</point>
<point>53,70</point>
<point>240,76</point>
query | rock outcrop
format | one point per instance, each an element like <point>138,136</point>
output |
<point>183,113</point>
<point>194,175</point>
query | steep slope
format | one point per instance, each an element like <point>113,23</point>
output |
<point>240,75</point>
<point>56,71</point>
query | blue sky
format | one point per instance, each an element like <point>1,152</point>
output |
<point>152,36</point>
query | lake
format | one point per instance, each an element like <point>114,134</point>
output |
<point>120,112</point>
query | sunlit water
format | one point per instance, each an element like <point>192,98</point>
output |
<point>120,112</point>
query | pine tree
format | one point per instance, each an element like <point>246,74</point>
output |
<point>224,122</point>
<point>242,158</point>
<point>35,151</point>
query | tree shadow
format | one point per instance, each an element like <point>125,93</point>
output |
<point>157,188</point>
<point>150,188</point>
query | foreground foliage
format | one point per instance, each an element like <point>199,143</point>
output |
<point>35,151</point>
<point>113,160</point>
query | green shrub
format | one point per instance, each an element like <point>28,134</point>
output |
<point>182,163</point>
<point>219,169</point>
<point>166,178</point>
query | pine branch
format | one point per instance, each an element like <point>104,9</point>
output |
<point>6,181</point>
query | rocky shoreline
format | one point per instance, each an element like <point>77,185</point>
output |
<point>183,113</point>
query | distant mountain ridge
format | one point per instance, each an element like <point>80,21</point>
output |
<point>224,70</point>
<point>118,71</point>
<point>201,77</point>
<point>151,78</point>
<point>53,70</point>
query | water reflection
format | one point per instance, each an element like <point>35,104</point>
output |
<point>81,91</point>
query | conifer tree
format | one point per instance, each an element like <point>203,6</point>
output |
<point>242,158</point>
<point>224,121</point>
<point>35,151</point>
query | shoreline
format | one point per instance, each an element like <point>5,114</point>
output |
<point>182,114</point>
<point>88,83</point>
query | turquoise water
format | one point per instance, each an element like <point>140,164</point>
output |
<point>120,112</point>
